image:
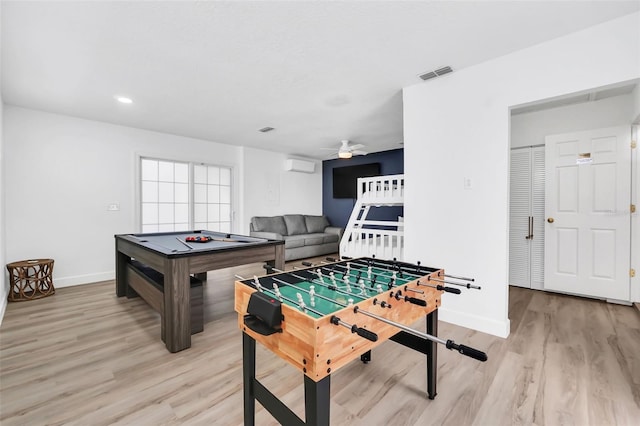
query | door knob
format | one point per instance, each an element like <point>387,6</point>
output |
<point>550,219</point>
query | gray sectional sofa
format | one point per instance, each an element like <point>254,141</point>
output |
<point>303,235</point>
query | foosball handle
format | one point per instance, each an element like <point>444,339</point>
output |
<point>268,268</point>
<point>363,332</point>
<point>416,301</point>
<point>307,264</point>
<point>450,289</point>
<point>466,350</point>
<point>331,259</point>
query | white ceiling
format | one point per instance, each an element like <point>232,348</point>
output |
<point>318,71</point>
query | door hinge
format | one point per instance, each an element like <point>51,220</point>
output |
<point>632,272</point>
<point>632,208</point>
<point>633,144</point>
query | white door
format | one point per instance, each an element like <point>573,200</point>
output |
<point>526,221</point>
<point>588,196</point>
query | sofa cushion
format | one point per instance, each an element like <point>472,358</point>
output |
<point>313,239</point>
<point>330,238</point>
<point>295,224</point>
<point>316,223</point>
<point>294,241</point>
<point>269,224</point>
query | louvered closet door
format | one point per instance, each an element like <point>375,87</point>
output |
<point>526,229</point>
<point>519,247</point>
<point>537,215</point>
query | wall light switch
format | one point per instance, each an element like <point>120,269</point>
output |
<point>114,207</point>
<point>468,184</point>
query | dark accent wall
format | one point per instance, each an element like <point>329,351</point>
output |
<point>338,210</point>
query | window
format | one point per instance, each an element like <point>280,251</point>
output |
<point>212,198</point>
<point>178,196</point>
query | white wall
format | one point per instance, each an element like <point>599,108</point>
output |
<point>635,198</point>
<point>4,283</point>
<point>3,280</point>
<point>61,173</point>
<point>270,190</point>
<point>635,218</point>
<point>530,129</point>
<point>457,126</point>
<point>636,105</point>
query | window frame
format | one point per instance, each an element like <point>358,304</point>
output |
<point>191,203</point>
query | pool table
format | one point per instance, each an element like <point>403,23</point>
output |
<point>171,254</point>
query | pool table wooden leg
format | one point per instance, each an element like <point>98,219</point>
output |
<point>177,304</point>
<point>279,260</point>
<point>121,273</point>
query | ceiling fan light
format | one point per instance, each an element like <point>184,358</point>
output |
<point>344,154</point>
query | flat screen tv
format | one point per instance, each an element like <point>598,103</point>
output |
<point>345,179</point>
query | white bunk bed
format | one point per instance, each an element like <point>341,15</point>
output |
<point>363,237</point>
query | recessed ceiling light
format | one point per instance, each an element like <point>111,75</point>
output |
<point>123,99</point>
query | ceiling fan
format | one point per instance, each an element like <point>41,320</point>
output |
<point>347,151</point>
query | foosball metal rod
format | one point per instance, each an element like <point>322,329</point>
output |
<point>401,271</point>
<point>360,262</point>
<point>316,281</point>
<point>328,299</point>
<point>350,274</point>
<point>362,332</point>
<point>418,276</point>
<point>383,304</point>
<point>406,288</point>
<point>437,287</point>
<point>440,287</point>
<point>449,344</point>
<point>467,285</point>
<point>279,296</point>
<point>309,264</point>
<point>406,281</point>
<point>459,278</point>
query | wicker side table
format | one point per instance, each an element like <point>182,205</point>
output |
<point>30,279</point>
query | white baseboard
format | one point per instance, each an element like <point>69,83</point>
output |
<point>474,322</point>
<point>60,282</point>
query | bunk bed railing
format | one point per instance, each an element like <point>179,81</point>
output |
<point>389,187</point>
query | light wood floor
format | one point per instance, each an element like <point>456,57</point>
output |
<point>85,357</point>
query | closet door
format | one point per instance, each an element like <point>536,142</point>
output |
<point>537,214</point>
<point>519,220</point>
<point>526,229</point>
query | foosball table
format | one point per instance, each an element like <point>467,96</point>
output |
<point>322,317</point>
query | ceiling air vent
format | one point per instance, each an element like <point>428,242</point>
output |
<point>435,73</point>
<point>443,71</point>
<point>266,129</point>
<point>428,75</point>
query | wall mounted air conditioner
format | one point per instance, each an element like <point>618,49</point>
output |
<point>294,165</point>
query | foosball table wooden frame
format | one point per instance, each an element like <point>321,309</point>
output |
<point>319,344</point>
